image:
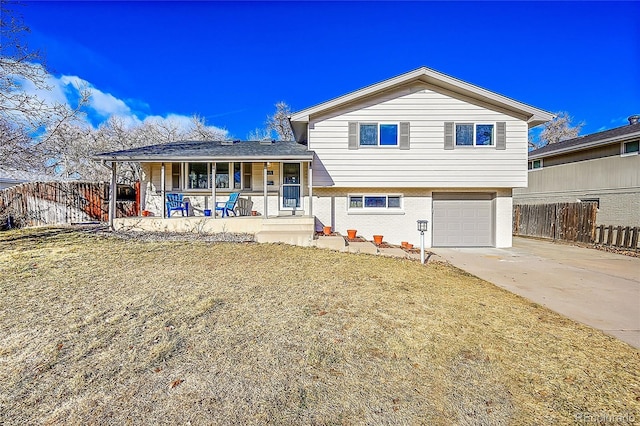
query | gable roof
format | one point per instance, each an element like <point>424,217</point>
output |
<point>532,115</point>
<point>619,134</point>
<point>212,151</point>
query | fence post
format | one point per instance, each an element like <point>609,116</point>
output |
<point>634,238</point>
<point>627,237</point>
<point>618,236</point>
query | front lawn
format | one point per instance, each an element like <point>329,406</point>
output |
<point>98,330</point>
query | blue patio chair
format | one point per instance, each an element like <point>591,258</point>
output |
<point>174,203</point>
<point>228,206</point>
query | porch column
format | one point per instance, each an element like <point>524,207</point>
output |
<point>264,184</point>
<point>213,190</point>
<point>113,189</point>
<point>163,191</point>
<point>310,188</point>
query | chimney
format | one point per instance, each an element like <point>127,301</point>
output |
<point>633,119</point>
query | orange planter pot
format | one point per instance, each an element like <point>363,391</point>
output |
<point>377,239</point>
<point>326,230</point>
<point>351,233</point>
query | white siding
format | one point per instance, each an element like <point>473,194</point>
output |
<point>426,163</point>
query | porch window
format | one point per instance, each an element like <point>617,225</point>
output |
<point>198,175</point>
<point>247,176</point>
<point>229,175</point>
<point>222,175</point>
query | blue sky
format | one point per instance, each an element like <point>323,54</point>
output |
<point>231,62</point>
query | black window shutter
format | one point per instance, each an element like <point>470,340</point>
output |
<point>404,135</point>
<point>353,135</point>
<point>448,135</point>
<point>501,135</point>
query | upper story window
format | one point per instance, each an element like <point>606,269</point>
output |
<point>366,134</point>
<point>378,134</point>
<point>631,147</point>
<point>474,134</point>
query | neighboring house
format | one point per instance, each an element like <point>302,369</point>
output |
<point>603,167</point>
<point>12,177</point>
<point>422,145</point>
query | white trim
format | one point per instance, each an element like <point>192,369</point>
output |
<point>374,211</point>
<point>429,76</point>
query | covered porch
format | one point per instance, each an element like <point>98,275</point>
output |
<point>273,179</point>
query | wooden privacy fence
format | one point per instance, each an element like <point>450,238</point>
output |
<point>48,203</point>
<point>562,221</point>
<point>625,237</point>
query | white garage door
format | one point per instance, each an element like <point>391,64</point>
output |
<point>462,220</point>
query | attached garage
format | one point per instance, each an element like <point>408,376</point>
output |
<point>463,220</point>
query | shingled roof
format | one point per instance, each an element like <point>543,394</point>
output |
<point>618,134</point>
<point>212,151</point>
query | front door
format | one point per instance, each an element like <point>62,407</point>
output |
<point>291,186</point>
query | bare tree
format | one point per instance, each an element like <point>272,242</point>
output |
<point>259,134</point>
<point>200,131</point>
<point>557,130</point>
<point>23,113</point>
<point>279,122</point>
<point>71,149</point>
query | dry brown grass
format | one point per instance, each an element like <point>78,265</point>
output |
<point>99,330</point>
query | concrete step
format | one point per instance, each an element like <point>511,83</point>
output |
<point>331,242</point>
<point>298,224</point>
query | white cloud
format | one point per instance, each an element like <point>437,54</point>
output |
<point>66,88</point>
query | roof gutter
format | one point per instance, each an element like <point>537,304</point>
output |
<point>204,159</point>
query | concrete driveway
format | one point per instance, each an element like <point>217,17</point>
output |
<point>593,287</point>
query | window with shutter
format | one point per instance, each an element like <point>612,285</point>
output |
<point>474,135</point>
<point>501,135</point>
<point>353,135</point>
<point>404,135</point>
<point>448,135</point>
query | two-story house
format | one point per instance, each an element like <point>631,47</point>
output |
<point>422,145</point>
<point>602,167</point>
